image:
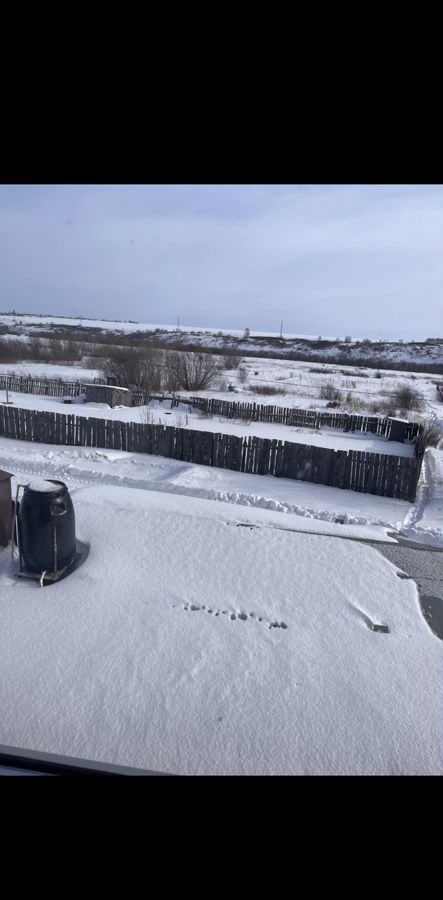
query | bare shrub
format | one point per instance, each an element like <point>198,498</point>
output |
<point>12,351</point>
<point>93,362</point>
<point>52,350</point>
<point>231,360</point>
<point>383,407</point>
<point>71,351</point>
<point>242,374</point>
<point>328,391</point>
<point>191,371</point>
<point>35,349</point>
<point>146,415</point>
<point>56,350</point>
<point>91,350</point>
<point>133,369</point>
<point>431,433</point>
<point>352,402</point>
<point>408,398</point>
<point>169,377</point>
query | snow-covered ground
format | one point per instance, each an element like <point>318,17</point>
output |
<point>131,327</point>
<point>221,623</point>
<point>314,505</point>
<point>189,645</point>
<point>298,384</point>
<point>425,519</point>
<point>66,372</point>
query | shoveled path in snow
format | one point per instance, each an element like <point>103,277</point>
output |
<point>318,506</point>
<point>423,562</point>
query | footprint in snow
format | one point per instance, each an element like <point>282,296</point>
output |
<point>233,614</point>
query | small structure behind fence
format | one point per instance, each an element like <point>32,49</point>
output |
<point>374,473</point>
<point>106,393</point>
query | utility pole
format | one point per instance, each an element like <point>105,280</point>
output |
<point>281,330</point>
<point>178,323</point>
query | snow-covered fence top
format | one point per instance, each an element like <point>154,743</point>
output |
<point>373,473</point>
<point>48,387</point>
<point>302,418</point>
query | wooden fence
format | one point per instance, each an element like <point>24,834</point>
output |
<point>254,412</point>
<point>374,473</point>
<point>48,387</point>
<point>302,418</point>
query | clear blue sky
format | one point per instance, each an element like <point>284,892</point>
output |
<point>364,260</point>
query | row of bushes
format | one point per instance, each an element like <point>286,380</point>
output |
<point>35,349</point>
<point>92,341</point>
<point>402,401</point>
<point>404,398</point>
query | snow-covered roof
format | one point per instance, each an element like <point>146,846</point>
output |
<point>108,387</point>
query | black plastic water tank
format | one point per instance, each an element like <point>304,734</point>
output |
<point>46,527</point>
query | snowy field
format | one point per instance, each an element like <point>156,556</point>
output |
<point>394,351</point>
<point>189,645</point>
<point>298,383</point>
<point>131,327</point>
<point>222,622</point>
<point>65,371</point>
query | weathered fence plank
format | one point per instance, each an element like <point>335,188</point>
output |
<point>386,475</point>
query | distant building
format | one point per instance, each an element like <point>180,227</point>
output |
<point>107,393</point>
